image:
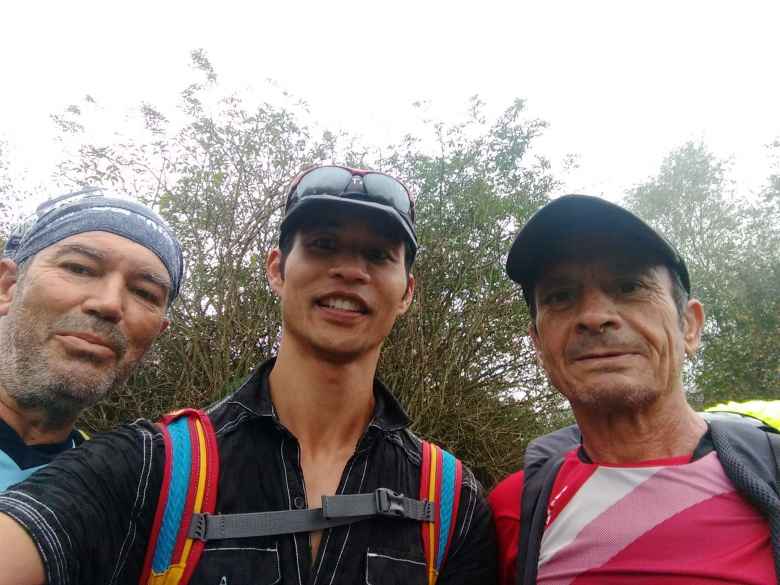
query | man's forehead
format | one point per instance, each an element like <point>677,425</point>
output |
<point>615,261</point>
<point>105,246</point>
<point>358,223</point>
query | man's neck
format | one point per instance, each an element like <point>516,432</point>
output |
<point>667,428</point>
<point>31,425</point>
<point>326,405</point>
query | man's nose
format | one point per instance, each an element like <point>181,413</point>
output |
<point>106,299</point>
<point>596,312</point>
<point>351,266</point>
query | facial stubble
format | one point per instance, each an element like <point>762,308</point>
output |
<point>31,376</point>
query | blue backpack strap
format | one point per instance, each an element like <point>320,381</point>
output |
<point>190,478</point>
<point>441,481</point>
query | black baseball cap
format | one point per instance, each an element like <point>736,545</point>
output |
<point>347,189</point>
<point>573,215</point>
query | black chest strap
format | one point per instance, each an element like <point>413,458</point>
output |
<point>335,511</point>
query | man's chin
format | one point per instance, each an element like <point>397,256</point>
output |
<point>80,387</point>
<point>612,395</point>
<point>59,404</point>
<point>341,354</point>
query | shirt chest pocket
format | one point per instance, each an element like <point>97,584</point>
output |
<point>238,566</point>
<point>385,567</point>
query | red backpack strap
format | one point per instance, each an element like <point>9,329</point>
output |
<point>441,480</point>
<point>189,486</point>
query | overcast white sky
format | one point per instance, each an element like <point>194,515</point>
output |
<point>620,82</point>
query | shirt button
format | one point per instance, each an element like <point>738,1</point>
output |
<point>299,502</point>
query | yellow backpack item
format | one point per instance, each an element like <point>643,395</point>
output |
<point>767,411</point>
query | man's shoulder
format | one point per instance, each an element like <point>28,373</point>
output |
<point>412,447</point>
<point>130,438</point>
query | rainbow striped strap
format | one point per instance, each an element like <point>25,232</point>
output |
<point>189,486</point>
<point>441,479</point>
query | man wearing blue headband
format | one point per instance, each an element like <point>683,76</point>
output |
<point>320,480</point>
<point>84,288</point>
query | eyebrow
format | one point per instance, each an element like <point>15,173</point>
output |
<point>158,279</point>
<point>99,256</point>
<point>93,253</point>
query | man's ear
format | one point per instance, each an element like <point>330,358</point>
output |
<point>273,270</point>
<point>693,323</point>
<point>8,275</point>
<point>406,300</point>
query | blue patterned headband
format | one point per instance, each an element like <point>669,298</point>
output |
<point>89,210</point>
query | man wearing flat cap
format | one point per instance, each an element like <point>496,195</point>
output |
<point>643,489</point>
<point>84,289</point>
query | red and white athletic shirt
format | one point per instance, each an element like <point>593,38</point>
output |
<point>671,521</point>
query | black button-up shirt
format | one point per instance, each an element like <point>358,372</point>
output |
<point>90,512</point>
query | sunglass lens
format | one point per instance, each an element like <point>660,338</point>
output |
<point>327,180</point>
<point>388,190</point>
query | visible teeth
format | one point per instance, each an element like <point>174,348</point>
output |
<point>343,304</point>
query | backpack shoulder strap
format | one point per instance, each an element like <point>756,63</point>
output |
<point>749,446</point>
<point>190,478</point>
<point>749,459</point>
<point>543,458</point>
<point>441,480</point>
<point>774,446</point>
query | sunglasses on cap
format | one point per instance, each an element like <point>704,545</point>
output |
<point>352,184</point>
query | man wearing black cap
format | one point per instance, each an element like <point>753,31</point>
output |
<point>644,489</point>
<point>84,288</point>
<point>312,425</point>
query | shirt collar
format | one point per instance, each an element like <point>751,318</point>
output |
<point>255,396</point>
<point>11,440</point>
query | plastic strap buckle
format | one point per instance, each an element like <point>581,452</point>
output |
<point>394,505</point>
<point>198,526</point>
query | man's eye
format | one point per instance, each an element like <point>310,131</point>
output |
<point>629,286</point>
<point>558,297</point>
<point>147,295</point>
<point>377,255</point>
<point>77,268</point>
<point>323,244</point>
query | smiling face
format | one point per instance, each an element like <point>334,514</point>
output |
<point>78,320</point>
<point>607,330</point>
<point>342,286</point>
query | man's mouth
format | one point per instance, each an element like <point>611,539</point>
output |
<point>343,303</point>
<point>88,343</point>
<point>602,355</point>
